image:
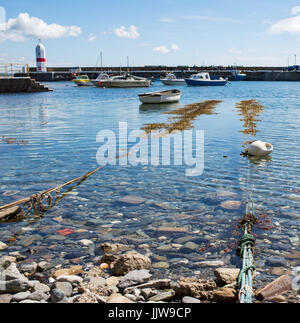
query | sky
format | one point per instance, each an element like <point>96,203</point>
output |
<point>156,32</point>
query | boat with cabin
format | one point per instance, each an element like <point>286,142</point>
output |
<point>101,80</point>
<point>171,79</point>
<point>127,81</point>
<point>204,79</point>
<point>83,80</point>
<point>237,75</point>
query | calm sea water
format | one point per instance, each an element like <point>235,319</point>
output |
<point>50,138</point>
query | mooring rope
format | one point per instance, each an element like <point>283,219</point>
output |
<point>246,249</point>
<point>35,201</point>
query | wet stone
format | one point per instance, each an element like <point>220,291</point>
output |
<point>189,247</point>
<point>5,298</point>
<point>276,261</point>
<point>131,200</point>
<point>65,287</point>
<point>58,296</point>
<point>190,300</point>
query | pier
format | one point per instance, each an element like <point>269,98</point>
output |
<point>21,84</point>
<point>252,74</point>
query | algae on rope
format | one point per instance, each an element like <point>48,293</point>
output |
<point>184,117</point>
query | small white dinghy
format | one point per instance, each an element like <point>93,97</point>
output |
<point>260,149</point>
<point>161,97</point>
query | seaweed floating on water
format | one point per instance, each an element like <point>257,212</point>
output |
<point>250,110</point>
<point>11,141</point>
<point>184,117</point>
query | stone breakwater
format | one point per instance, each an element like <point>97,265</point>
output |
<point>118,278</point>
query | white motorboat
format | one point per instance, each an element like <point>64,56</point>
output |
<point>101,80</point>
<point>171,79</point>
<point>127,81</point>
<point>161,97</point>
<point>203,79</point>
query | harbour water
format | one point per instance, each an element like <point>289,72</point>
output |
<point>47,139</point>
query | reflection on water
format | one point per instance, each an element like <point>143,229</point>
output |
<point>161,107</point>
<point>61,128</point>
<point>43,115</point>
<point>250,110</point>
<point>261,161</point>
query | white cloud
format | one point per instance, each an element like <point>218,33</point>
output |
<point>296,10</point>
<point>130,33</point>
<point>175,48</point>
<point>289,25</point>
<point>92,37</point>
<point>26,27</point>
<point>165,50</point>
<point>161,49</point>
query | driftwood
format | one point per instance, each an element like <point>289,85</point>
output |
<point>42,202</point>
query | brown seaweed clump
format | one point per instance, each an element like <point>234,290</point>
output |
<point>184,117</point>
<point>11,141</point>
<point>250,110</point>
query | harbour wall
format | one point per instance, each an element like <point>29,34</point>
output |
<point>276,75</point>
<point>22,84</point>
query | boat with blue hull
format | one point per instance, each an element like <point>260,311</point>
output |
<point>203,79</point>
<point>237,76</point>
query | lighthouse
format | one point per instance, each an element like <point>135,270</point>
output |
<point>40,58</point>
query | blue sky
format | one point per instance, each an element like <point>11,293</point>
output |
<point>171,32</point>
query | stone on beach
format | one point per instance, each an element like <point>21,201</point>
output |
<point>119,299</point>
<point>227,276</point>
<point>208,263</point>
<point>171,230</point>
<point>129,262</point>
<point>194,287</point>
<point>74,270</point>
<point>65,287</point>
<point>231,205</point>
<point>58,296</point>
<point>225,295</point>
<point>164,296</point>
<point>74,280</point>
<point>135,277</point>
<point>190,300</point>
<point>281,285</point>
<point>10,213</point>
<point>2,246</point>
<point>131,200</point>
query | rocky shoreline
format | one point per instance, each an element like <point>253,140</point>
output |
<point>118,277</point>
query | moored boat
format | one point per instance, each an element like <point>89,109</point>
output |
<point>171,79</point>
<point>238,75</point>
<point>127,81</point>
<point>101,80</point>
<point>83,80</point>
<point>203,79</point>
<point>161,97</point>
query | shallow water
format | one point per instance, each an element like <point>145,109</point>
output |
<point>50,138</point>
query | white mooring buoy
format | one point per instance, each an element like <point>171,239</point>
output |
<point>260,149</point>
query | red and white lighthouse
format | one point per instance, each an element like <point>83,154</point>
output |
<point>40,58</point>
